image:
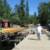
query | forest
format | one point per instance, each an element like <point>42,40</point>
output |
<point>20,15</point>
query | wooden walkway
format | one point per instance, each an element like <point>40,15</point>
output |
<point>31,43</point>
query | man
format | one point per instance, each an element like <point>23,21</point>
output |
<point>39,31</point>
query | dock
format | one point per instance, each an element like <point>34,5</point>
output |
<point>32,43</point>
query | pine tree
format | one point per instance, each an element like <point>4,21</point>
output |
<point>22,12</point>
<point>7,9</point>
<point>27,8</point>
<point>1,7</point>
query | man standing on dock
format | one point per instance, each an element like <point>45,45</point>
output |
<point>39,31</point>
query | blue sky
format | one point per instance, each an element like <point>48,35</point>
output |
<point>33,5</point>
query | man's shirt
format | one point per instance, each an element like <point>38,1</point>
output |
<point>39,29</point>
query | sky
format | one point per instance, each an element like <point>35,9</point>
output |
<point>33,5</point>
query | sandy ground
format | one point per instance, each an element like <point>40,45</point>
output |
<point>31,43</point>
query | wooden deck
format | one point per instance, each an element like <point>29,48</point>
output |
<point>31,43</point>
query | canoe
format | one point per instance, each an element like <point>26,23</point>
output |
<point>11,30</point>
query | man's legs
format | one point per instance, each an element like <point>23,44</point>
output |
<point>38,35</point>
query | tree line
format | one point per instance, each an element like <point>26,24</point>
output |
<point>20,15</point>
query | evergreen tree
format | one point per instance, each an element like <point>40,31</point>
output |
<point>1,8</point>
<point>27,8</point>
<point>7,10</point>
<point>4,9</point>
<point>22,12</point>
<point>43,13</point>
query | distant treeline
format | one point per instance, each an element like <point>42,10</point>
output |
<point>20,15</point>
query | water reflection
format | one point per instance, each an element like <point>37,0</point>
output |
<point>5,45</point>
